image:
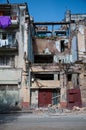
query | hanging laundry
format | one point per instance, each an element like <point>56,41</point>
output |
<point>5,21</point>
<point>3,42</point>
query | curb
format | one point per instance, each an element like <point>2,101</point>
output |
<point>16,112</point>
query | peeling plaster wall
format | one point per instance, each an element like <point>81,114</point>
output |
<point>83,88</point>
<point>53,46</point>
<point>78,17</point>
<point>39,45</point>
<point>30,47</point>
<point>10,76</point>
<point>34,98</point>
<point>20,60</point>
<point>67,58</point>
<point>46,84</point>
<point>81,41</point>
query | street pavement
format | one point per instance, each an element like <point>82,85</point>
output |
<point>42,121</point>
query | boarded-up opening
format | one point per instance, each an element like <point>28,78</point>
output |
<point>74,97</point>
<point>43,58</point>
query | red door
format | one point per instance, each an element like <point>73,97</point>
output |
<point>44,97</point>
<point>74,97</point>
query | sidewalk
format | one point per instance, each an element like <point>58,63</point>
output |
<point>46,111</point>
<point>16,111</point>
<point>58,112</point>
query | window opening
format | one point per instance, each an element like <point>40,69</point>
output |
<point>43,58</point>
<point>44,76</point>
<point>62,46</point>
<point>69,77</point>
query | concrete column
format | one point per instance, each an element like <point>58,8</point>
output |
<point>25,91</point>
<point>63,83</point>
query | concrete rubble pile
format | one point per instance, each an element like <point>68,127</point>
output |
<point>55,108</point>
<point>82,109</point>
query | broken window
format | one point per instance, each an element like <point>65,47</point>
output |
<point>77,79</point>
<point>7,60</point>
<point>62,46</point>
<point>69,77</point>
<point>44,76</point>
<point>7,39</point>
<point>4,36</point>
<point>58,76</point>
<point>43,58</point>
<point>60,33</point>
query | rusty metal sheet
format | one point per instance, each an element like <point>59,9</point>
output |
<point>73,97</point>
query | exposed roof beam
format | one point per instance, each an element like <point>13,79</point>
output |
<point>50,23</point>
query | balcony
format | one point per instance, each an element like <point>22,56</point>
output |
<point>14,20</point>
<point>8,21</point>
<point>6,46</point>
<point>8,10</point>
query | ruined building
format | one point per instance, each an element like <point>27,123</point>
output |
<point>57,71</point>
<point>41,63</point>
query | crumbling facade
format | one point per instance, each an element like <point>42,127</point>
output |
<point>41,63</point>
<point>56,71</point>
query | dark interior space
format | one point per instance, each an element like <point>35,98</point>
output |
<point>43,58</point>
<point>44,76</point>
<point>62,46</point>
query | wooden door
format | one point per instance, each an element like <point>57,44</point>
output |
<point>44,97</point>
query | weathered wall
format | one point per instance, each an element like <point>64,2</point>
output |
<point>45,68</point>
<point>74,48</point>
<point>63,84</point>
<point>10,76</point>
<point>46,84</point>
<point>34,98</point>
<point>81,41</point>
<point>9,97</point>
<point>40,46</point>
<point>83,88</point>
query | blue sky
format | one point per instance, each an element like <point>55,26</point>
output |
<point>52,10</point>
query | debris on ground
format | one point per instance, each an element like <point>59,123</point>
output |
<point>55,108</point>
<point>81,109</point>
<point>40,110</point>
